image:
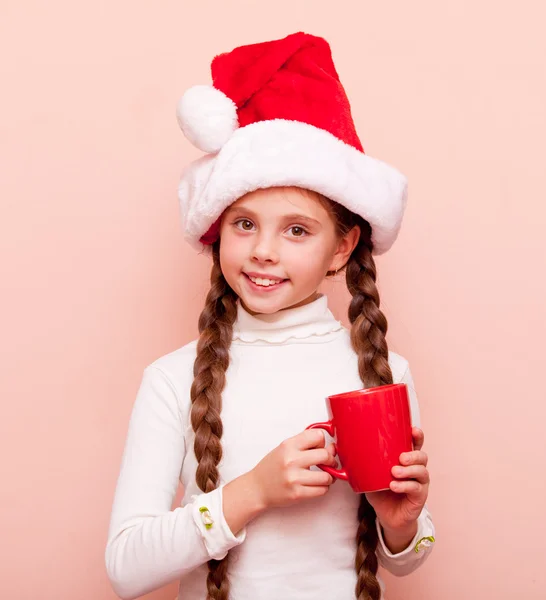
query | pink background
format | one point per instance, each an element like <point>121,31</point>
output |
<point>97,281</point>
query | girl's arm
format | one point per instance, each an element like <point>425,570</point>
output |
<point>406,561</point>
<point>149,545</point>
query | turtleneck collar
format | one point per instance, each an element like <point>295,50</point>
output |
<point>300,323</point>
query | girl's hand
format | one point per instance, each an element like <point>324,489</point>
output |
<point>283,476</point>
<point>397,509</point>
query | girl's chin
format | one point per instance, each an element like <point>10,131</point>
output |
<point>265,306</point>
<point>268,306</point>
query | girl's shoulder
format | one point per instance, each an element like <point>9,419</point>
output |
<point>177,367</point>
<point>399,364</point>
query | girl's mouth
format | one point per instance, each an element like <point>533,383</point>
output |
<point>264,285</point>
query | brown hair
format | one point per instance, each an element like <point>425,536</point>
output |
<point>209,371</point>
<point>368,331</point>
<point>368,338</point>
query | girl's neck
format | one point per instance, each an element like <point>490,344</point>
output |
<point>305,322</point>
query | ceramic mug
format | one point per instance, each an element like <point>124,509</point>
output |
<point>372,428</point>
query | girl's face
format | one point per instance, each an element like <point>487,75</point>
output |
<point>276,246</point>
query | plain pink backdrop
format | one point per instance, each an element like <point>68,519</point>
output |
<point>97,281</point>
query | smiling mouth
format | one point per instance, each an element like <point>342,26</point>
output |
<point>264,281</point>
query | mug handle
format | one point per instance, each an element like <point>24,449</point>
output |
<point>328,426</point>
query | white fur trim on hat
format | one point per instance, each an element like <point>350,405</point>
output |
<point>291,153</point>
<point>207,117</point>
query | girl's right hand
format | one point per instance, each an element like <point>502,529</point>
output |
<point>283,476</point>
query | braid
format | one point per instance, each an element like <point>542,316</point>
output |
<point>209,370</point>
<point>369,327</point>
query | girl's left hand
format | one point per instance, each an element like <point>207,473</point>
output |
<point>397,509</point>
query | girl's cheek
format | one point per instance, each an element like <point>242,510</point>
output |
<point>234,248</point>
<point>308,269</point>
<point>309,257</point>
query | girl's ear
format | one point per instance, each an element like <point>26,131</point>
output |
<point>345,248</point>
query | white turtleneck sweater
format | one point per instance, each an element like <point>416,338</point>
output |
<point>282,367</point>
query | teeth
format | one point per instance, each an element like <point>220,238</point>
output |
<point>264,282</point>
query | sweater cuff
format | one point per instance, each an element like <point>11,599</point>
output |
<point>208,515</point>
<point>420,545</point>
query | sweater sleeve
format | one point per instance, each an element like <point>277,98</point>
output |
<point>149,545</point>
<point>406,561</point>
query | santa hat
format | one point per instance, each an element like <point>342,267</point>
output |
<point>277,115</point>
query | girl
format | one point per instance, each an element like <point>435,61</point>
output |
<point>283,197</point>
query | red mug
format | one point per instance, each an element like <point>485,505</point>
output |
<point>372,428</point>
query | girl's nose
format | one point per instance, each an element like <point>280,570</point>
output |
<point>265,250</point>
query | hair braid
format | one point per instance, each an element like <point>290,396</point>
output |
<point>209,370</point>
<point>368,331</point>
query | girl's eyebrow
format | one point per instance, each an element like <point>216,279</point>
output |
<point>290,217</point>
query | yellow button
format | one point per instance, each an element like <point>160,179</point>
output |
<point>426,541</point>
<point>206,517</point>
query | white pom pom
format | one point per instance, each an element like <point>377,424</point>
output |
<point>207,117</point>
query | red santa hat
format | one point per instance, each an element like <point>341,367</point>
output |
<point>277,115</point>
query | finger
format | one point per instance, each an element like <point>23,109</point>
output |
<point>310,438</point>
<point>332,449</point>
<point>412,488</point>
<point>315,456</point>
<point>417,472</point>
<point>314,478</point>
<point>418,438</point>
<point>417,457</point>
<point>313,491</point>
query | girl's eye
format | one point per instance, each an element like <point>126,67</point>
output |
<point>298,231</point>
<point>244,224</point>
